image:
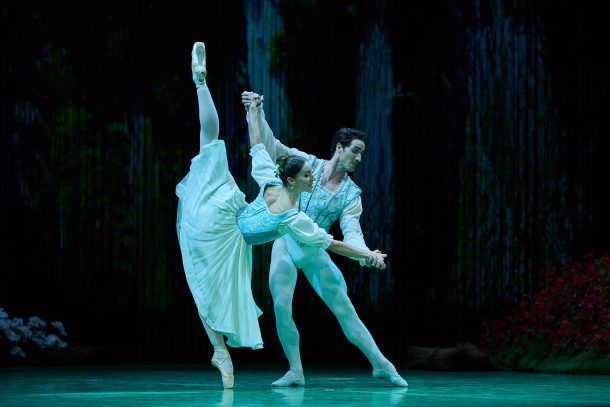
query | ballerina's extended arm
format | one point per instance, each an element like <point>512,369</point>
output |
<point>255,124</point>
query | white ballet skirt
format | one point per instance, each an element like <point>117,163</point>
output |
<point>216,228</point>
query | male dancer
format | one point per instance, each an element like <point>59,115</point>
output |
<point>334,196</point>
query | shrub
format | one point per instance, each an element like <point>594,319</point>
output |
<point>18,337</point>
<point>569,315</point>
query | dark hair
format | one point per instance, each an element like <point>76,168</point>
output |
<point>345,135</point>
<point>289,166</point>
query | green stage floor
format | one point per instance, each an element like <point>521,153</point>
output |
<point>193,385</point>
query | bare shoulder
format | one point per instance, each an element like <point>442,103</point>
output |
<point>272,192</point>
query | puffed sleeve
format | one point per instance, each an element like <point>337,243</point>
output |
<point>349,222</point>
<point>262,166</point>
<point>304,230</point>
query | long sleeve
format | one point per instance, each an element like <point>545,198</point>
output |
<point>304,230</point>
<point>263,169</point>
<point>349,222</point>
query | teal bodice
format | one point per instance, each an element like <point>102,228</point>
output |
<point>257,224</point>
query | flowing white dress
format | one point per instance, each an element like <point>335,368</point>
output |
<point>216,230</point>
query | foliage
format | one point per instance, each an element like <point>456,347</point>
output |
<point>569,316</point>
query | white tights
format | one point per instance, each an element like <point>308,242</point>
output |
<point>329,284</point>
<point>221,352</point>
<point>208,119</point>
<point>208,116</point>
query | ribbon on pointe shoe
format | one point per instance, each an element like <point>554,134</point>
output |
<point>198,64</point>
<point>217,361</point>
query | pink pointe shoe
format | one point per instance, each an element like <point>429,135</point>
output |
<point>198,64</point>
<point>220,359</point>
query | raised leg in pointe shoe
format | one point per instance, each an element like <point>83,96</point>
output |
<point>198,64</point>
<point>208,119</point>
<point>208,116</point>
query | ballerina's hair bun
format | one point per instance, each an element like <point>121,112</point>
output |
<point>288,166</point>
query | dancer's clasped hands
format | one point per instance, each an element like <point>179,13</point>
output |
<point>376,259</point>
<point>247,98</point>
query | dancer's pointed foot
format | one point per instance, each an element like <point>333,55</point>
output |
<point>290,379</point>
<point>198,64</point>
<point>222,361</point>
<point>393,378</point>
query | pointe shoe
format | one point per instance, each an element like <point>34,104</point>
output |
<point>290,379</point>
<point>217,361</point>
<point>198,64</point>
<point>394,378</point>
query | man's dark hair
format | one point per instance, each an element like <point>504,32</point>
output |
<point>345,135</point>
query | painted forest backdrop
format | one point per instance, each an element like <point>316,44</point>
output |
<point>487,161</point>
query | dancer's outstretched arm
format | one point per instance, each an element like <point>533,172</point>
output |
<point>372,258</point>
<point>255,124</point>
<point>351,229</point>
<point>273,146</point>
<point>304,230</point>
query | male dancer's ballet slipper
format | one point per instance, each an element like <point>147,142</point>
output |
<point>217,361</point>
<point>394,378</point>
<point>198,64</point>
<point>290,379</point>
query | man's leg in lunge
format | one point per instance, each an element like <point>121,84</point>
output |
<point>282,282</point>
<point>328,282</point>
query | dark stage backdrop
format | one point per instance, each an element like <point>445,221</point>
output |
<point>486,163</point>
